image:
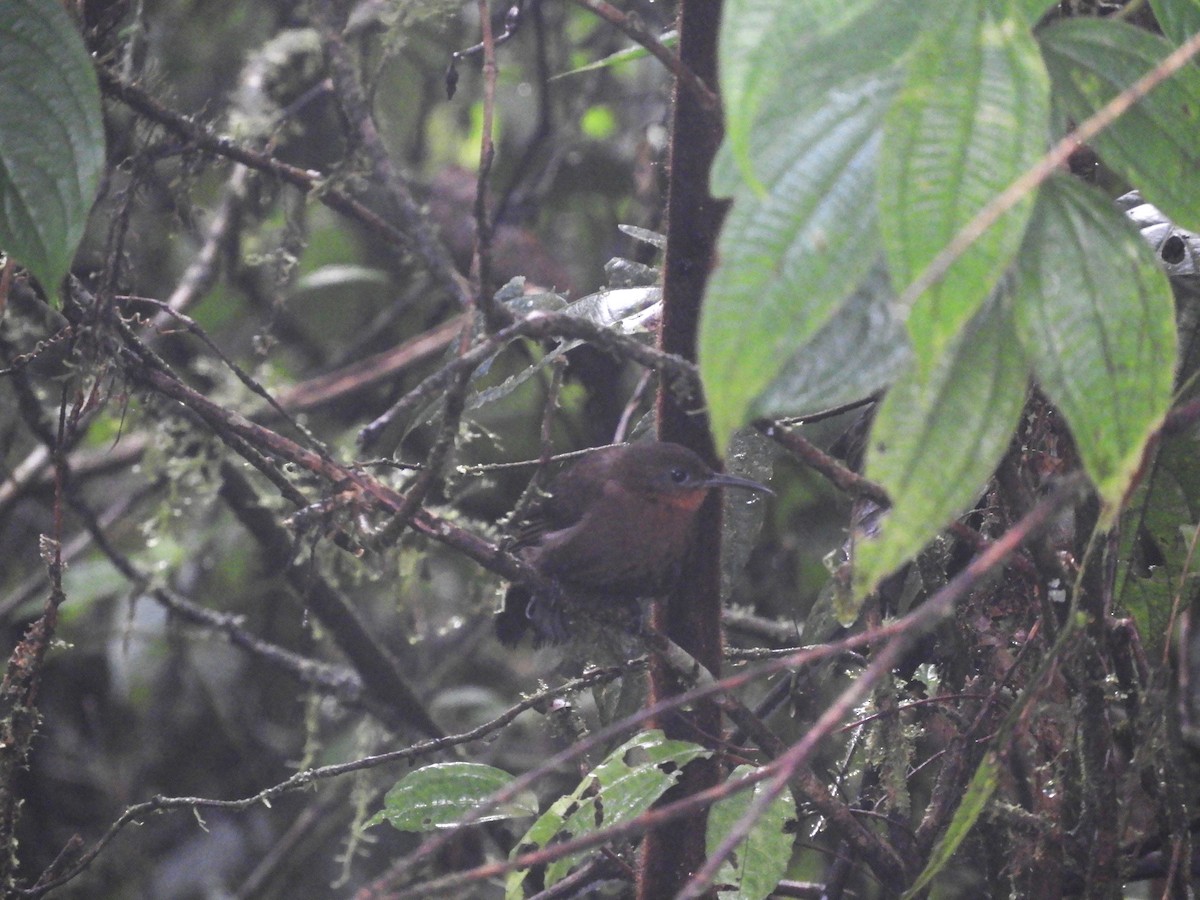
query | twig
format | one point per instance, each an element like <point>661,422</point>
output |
<point>247,439</point>
<point>915,626</point>
<point>452,410</point>
<point>495,315</point>
<point>436,843</point>
<point>201,274</point>
<point>399,200</point>
<point>23,675</point>
<point>679,373</point>
<point>870,847</point>
<point>900,636</point>
<point>363,373</point>
<point>309,777</point>
<point>634,29</point>
<point>635,399</point>
<point>248,380</point>
<point>839,475</point>
<point>339,682</point>
<point>761,628</point>
<point>379,669</point>
<point>306,180</point>
<point>549,408</point>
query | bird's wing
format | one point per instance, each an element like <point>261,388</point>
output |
<point>571,493</point>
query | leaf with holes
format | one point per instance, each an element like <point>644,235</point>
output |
<point>621,788</point>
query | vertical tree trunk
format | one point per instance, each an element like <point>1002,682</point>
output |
<point>692,615</point>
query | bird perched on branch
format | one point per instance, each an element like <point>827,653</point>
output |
<point>615,526</point>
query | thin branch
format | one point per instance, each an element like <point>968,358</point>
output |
<point>633,28</point>
<point>363,373</point>
<point>900,636</point>
<point>398,199</point>
<point>307,180</point>
<point>678,373</point>
<point>309,777</point>
<point>452,410</point>
<point>252,440</point>
<point>439,841</point>
<point>342,683</point>
<point>872,848</point>
<point>839,475</point>
<point>494,314</point>
<point>248,380</point>
<point>201,274</point>
<point>916,625</point>
<point>379,669</point>
<point>23,674</point>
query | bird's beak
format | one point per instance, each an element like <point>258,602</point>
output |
<point>723,480</point>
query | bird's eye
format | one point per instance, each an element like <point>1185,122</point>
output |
<point>679,475</point>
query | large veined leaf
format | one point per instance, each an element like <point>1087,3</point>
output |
<point>810,84</point>
<point>973,115</point>
<point>937,439</point>
<point>1095,315</point>
<point>51,137</point>
<point>746,25</point>
<point>787,257</point>
<point>856,353</point>
<point>778,55</point>
<point>1153,145</point>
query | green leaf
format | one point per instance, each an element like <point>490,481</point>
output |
<point>1154,144</point>
<point>788,257</point>
<point>744,66</point>
<point>621,788</point>
<point>937,439</point>
<point>973,115</point>
<point>807,87</point>
<point>858,352</point>
<point>437,796</point>
<point>779,56</point>
<point>761,860</point>
<point>51,138</point>
<point>979,792</point>
<point>1179,19</point>
<point>1095,315</point>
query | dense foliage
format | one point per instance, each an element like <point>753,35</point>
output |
<point>299,296</point>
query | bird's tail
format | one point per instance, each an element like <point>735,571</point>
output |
<point>513,619</point>
<point>524,611</point>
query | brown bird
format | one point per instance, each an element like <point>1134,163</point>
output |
<point>615,526</point>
